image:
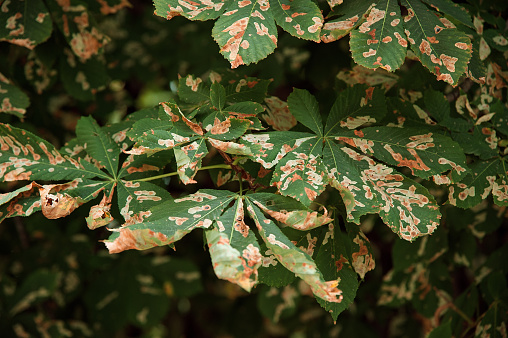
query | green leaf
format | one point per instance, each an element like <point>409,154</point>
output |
<point>98,144</point>
<point>217,95</point>
<point>25,156</point>
<point>305,108</point>
<point>14,101</point>
<point>444,51</point>
<point>277,304</point>
<point>302,18</point>
<point>294,259</point>
<point>379,41</point>
<point>27,23</point>
<point>426,154</point>
<point>168,222</point>
<point>246,32</point>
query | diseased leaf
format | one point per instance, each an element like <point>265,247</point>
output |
<point>193,10</point>
<point>234,249</point>
<point>25,156</point>
<point>289,212</point>
<point>361,256</point>
<point>13,100</point>
<point>441,48</point>
<point>295,260</point>
<point>170,221</point>
<point>302,19</point>
<point>39,285</point>
<point>350,13</point>
<point>246,32</point>
<point>379,41</point>
<point>425,154</point>
<point>27,23</point>
<point>136,198</point>
<point>334,262</point>
<point>278,304</point>
<point>78,28</point>
<point>188,159</point>
<point>355,107</point>
<point>404,205</point>
<point>452,9</point>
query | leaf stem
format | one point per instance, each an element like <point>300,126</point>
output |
<point>151,178</point>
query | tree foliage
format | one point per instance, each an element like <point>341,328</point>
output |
<point>118,119</point>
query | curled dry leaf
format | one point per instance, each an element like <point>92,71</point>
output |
<point>55,204</point>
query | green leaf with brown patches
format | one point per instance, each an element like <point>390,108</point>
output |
<point>193,10</point>
<point>476,186</point>
<point>443,49</point>
<point>171,220</point>
<point>360,251</point>
<point>355,107</point>
<point>302,18</point>
<point>98,144</point>
<point>241,89</point>
<point>369,187</point>
<point>380,40</point>
<point>246,32</point>
<point>188,159</point>
<point>78,28</point>
<point>82,78</point>
<point>234,249</point>
<point>425,154</point>
<point>39,285</point>
<point>13,100</point>
<point>192,89</point>
<point>136,198</point>
<point>228,128</point>
<point>25,156</point>
<point>25,23</point>
<point>351,14</point>
<point>289,212</point>
<point>334,261</point>
<point>293,258</point>
<point>450,8</point>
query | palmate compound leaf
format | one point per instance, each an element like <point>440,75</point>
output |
<point>245,30</point>
<point>304,164</point>
<point>98,144</point>
<point>380,35</point>
<point>188,139</point>
<point>293,258</point>
<point>234,249</point>
<point>25,156</point>
<point>170,220</point>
